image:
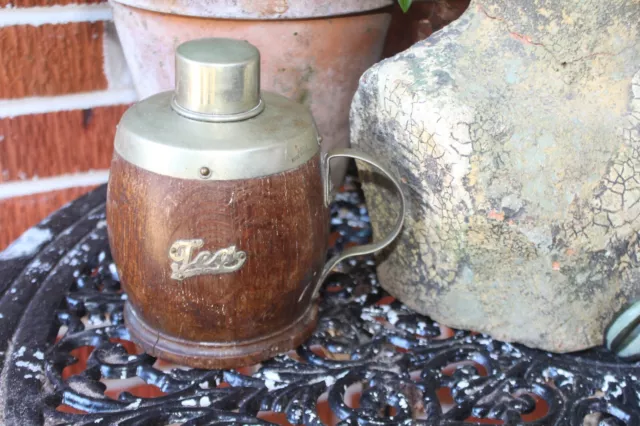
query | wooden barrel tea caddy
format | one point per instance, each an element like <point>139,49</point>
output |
<point>217,211</point>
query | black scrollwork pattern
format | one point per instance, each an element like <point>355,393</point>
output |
<point>60,293</point>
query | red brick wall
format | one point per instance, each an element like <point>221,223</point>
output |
<point>63,88</point>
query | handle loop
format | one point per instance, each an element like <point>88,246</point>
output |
<point>367,248</point>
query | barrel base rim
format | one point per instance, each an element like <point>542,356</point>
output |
<point>222,355</point>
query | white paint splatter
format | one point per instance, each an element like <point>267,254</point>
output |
<point>366,316</point>
<point>189,403</point>
<point>271,385</point>
<point>28,244</point>
<point>360,299</point>
<point>553,373</point>
<point>39,355</point>
<point>134,405</point>
<point>205,401</point>
<point>272,375</point>
<point>608,380</point>
<point>618,390</point>
<point>328,380</point>
<point>29,366</point>
<point>114,271</point>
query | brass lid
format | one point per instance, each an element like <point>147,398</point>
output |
<point>217,125</point>
<point>217,79</point>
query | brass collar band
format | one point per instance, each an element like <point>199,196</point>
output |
<point>216,118</point>
<point>154,137</point>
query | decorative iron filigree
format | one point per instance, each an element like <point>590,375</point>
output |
<point>205,262</point>
<point>64,296</point>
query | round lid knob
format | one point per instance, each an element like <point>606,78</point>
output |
<point>217,79</point>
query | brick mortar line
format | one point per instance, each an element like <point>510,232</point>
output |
<point>58,14</point>
<point>10,108</point>
<point>14,189</point>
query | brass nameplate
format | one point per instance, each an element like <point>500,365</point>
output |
<point>205,262</point>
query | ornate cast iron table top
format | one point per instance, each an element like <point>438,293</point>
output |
<point>61,299</point>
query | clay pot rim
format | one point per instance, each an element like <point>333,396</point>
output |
<point>224,9</point>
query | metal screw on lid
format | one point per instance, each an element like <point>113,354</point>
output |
<point>217,79</point>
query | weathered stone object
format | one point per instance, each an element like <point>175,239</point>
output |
<point>516,130</point>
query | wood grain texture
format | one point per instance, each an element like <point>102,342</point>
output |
<point>57,143</point>
<point>280,221</point>
<point>51,60</point>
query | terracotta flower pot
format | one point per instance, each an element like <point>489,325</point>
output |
<point>312,52</point>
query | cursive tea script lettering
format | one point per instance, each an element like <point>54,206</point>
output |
<point>222,261</point>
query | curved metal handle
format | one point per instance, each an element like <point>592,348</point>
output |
<point>367,248</point>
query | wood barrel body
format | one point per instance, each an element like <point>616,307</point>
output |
<point>164,234</point>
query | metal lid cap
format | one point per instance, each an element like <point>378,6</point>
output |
<point>152,136</point>
<point>217,79</point>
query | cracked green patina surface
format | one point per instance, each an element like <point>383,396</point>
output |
<point>516,130</point>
